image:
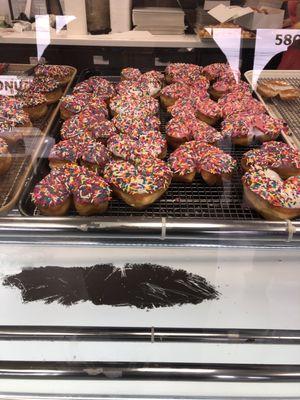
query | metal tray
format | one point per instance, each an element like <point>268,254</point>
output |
<point>26,152</point>
<point>288,110</point>
<point>197,201</point>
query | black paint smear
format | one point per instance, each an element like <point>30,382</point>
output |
<point>139,285</point>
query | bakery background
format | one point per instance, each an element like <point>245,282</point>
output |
<point>248,335</point>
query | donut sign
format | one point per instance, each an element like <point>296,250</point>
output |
<point>11,84</point>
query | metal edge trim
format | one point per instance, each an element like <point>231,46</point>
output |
<point>150,371</point>
<point>151,334</point>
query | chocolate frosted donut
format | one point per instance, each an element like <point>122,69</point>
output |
<point>63,153</point>
<point>92,197</point>
<point>93,155</point>
<point>85,125</point>
<point>90,154</point>
<point>61,73</point>
<point>97,86</point>
<point>73,104</point>
<point>35,105</point>
<point>45,85</point>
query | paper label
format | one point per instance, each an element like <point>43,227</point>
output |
<point>270,42</point>
<point>10,84</point>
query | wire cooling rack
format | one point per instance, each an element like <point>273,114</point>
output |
<point>288,110</point>
<point>196,200</point>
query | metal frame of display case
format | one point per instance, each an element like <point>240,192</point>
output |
<point>164,231</point>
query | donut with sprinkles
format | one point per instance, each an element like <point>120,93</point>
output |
<point>134,125</point>
<point>139,183</point>
<point>5,157</point>
<point>272,197</point>
<point>129,148</point>
<point>278,156</point>
<point>88,153</point>
<point>61,73</point>
<point>184,73</point>
<point>87,125</point>
<point>243,128</point>
<point>184,128</point>
<point>55,194</point>
<point>212,163</point>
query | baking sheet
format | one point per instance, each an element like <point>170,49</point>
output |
<point>288,110</point>
<point>26,153</point>
<point>257,289</point>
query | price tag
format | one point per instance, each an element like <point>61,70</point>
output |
<point>270,42</point>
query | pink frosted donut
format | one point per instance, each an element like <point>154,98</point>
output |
<point>180,130</point>
<point>220,71</point>
<point>246,104</point>
<point>227,85</point>
<point>154,75</point>
<point>197,157</point>
<point>234,97</point>
<point>244,128</point>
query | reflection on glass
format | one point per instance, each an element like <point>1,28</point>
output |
<point>270,42</point>
<point>229,41</point>
<point>43,37</point>
<point>62,21</point>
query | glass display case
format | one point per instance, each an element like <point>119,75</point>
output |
<point>150,199</point>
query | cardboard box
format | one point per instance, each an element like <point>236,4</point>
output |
<point>272,20</point>
<point>209,4</point>
<point>227,14</point>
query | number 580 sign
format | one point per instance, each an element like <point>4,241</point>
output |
<point>270,42</point>
<point>286,39</point>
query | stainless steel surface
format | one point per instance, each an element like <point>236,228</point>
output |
<point>151,371</point>
<point>33,396</point>
<point>160,335</point>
